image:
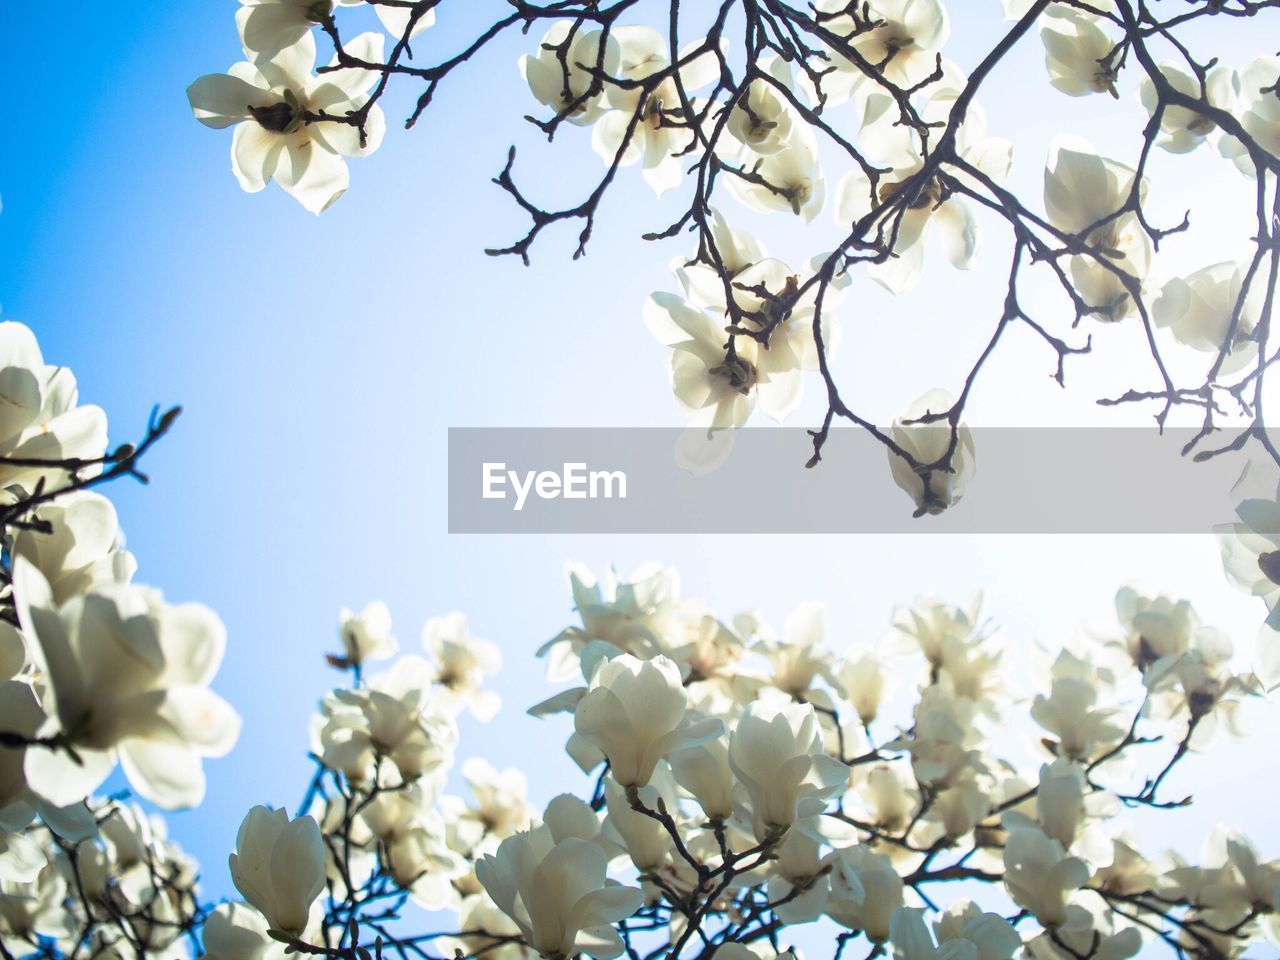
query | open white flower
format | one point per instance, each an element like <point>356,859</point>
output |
<point>39,418</point>
<point>987,937</point>
<point>410,838</point>
<point>662,133</point>
<point>83,548</point>
<point>776,752</point>
<point>1041,876</point>
<point>557,893</point>
<point>20,714</point>
<point>397,717</point>
<point>561,73</point>
<point>773,340</point>
<point>764,121</point>
<point>30,910</point>
<point>1154,627</point>
<point>928,443</point>
<point>1078,53</point>
<point>903,39</point>
<point>278,867</point>
<point>235,931</point>
<point>1072,711</point>
<point>1181,129</point>
<point>1254,101</point>
<point>866,680</point>
<point>367,635</point>
<point>269,26</point>
<point>127,676</point>
<point>635,712</point>
<point>1199,308</point>
<point>462,663</point>
<point>934,206</point>
<point>712,389</point>
<point>704,771</point>
<point>990,933</point>
<point>788,180</point>
<point>637,616</point>
<point>1251,559</point>
<point>270,102</point>
<point>1082,194</point>
<point>866,891</point>
<point>501,805</point>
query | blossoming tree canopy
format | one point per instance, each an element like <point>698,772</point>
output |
<point>857,117</point>
<point>745,790</point>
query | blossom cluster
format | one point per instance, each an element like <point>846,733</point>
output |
<point>855,111</point>
<point>741,784</point>
<point>99,674</point>
<point>747,782</point>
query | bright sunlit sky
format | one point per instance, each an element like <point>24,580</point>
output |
<point>321,361</point>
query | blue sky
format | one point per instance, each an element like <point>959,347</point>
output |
<point>321,361</point>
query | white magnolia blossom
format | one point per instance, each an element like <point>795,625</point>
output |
<point>500,806</point>
<point>787,180</point>
<point>410,837</point>
<point>1252,92</point>
<point>275,103</point>
<point>561,73</point>
<point>1072,710</point>
<point>773,342</point>
<point>278,867</point>
<point>929,442</point>
<point>800,656</point>
<point>1199,692</point>
<point>1155,628</point>
<point>367,635</point>
<point>636,712</point>
<point>1205,310</point>
<point>776,753</point>
<point>84,547</point>
<point>30,910</point>
<point>934,205</point>
<point>269,26</point>
<point>396,718</point>
<point>1083,195</point>
<point>127,677</point>
<point>982,937</point>
<point>462,663</point>
<point>635,615</point>
<point>235,931</point>
<point>866,891</point>
<point>660,136</point>
<point>866,680</point>
<point>905,36</point>
<point>1251,558</point>
<point>39,416</point>
<point>1183,129</point>
<point>705,772</point>
<point>1041,876</point>
<point>555,890</point>
<point>1078,52</point>
<point>763,122</point>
